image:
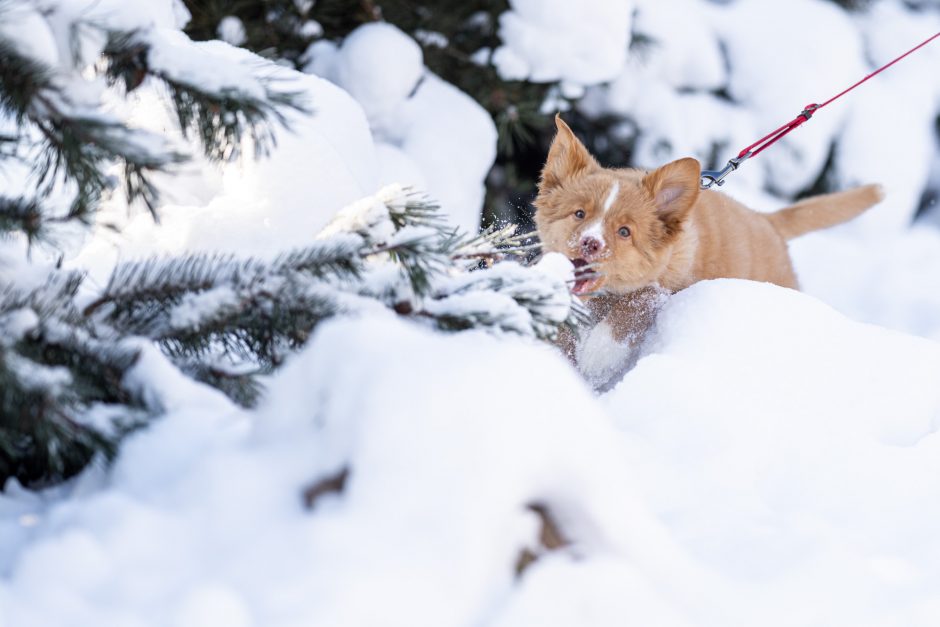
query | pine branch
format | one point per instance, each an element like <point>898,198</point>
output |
<point>62,398</point>
<point>138,286</point>
<point>339,256</point>
<point>222,118</point>
<point>419,253</point>
<point>21,80</point>
<point>24,216</point>
<point>54,297</point>
<point>241,386</point>
<point>260,323</point>
<point>77,142</point>
<point>203,305</point>
<point>78,146</point>
<point>507,297</point>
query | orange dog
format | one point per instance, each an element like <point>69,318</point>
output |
<point>629,232</point>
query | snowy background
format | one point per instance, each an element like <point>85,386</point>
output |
<point>772,459</point>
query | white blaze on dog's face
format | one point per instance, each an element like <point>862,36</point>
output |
<point>623,222</point>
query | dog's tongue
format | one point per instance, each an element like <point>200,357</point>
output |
<point>579,286</point>
<point>583,280</point>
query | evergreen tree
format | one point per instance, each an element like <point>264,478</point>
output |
<point>65,393</point>
<point>63,396</point>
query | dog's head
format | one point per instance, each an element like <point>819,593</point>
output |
<point>620,223</point>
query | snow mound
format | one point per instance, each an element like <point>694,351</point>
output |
<point>793,451</point>
<point>766,462</point>
<point>552,40</point>
<point>323,162</point>
<point>429,134</point>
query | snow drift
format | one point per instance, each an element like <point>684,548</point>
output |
<point>766,462</point>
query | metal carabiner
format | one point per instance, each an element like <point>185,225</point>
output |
<point>709,178</point>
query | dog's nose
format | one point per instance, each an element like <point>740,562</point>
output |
<point>590,246</point>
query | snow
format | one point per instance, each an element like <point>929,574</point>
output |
<point>96,15</point>
<point>324,162</point>
<point>380,67</point>
<point>25,28</point>
<point>446,142</point>
<point>765,460</point>
<point>231,30</point>
<point>550,40</point>
<point>819,484</point>
<point>201,65</point>
<point>728,479</point>
<point>193,308</point>
<point>600,356</point>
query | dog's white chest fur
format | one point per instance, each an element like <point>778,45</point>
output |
<point>600,357</point>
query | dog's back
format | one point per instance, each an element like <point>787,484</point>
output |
<point>732,241</point>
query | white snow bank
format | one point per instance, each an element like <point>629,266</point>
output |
<point>767,462</point>
<point>553,40</point>
<point>429,527</point>
<point>446,142</point>
<point>894,284</point>
<point>793,451</point>
<point>323,162</point>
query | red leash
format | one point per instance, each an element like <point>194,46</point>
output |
<point>716,177</point>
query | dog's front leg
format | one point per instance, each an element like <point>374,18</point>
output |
<point>608,350</point>
<point>567,342</point>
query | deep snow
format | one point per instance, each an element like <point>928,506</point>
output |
<point>768,460</point>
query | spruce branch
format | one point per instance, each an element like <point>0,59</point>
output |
<point>240,385</point>
<point>260,324</point>
<point>62,398</point>
<point>221,118</point>
<point>339,256</point>
<point>24,216</point>
<point>21,80</point>
<point>507,297</point>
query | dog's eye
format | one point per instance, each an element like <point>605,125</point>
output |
<point>624,231</point>
<point>579,214</point>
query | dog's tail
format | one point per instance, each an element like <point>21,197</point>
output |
<point>820,212</point>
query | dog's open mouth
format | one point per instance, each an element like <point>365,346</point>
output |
<point>586,277</point>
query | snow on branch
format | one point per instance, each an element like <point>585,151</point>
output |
<point>54,92</point>
<point>226,321</point>
<point>221,95</point>
<point>62,397</point>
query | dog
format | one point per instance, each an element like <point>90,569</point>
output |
<point>634,235</point>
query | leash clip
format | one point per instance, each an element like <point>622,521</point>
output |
<point>709,178</point>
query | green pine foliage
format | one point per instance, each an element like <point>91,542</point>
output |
<point>63,397</point>
<point>69,390</point>
<point>227,321</point>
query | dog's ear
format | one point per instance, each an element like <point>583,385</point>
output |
<point>567,158</point>
<point>674,189</point>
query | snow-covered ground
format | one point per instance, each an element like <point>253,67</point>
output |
<point>769,460</point>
